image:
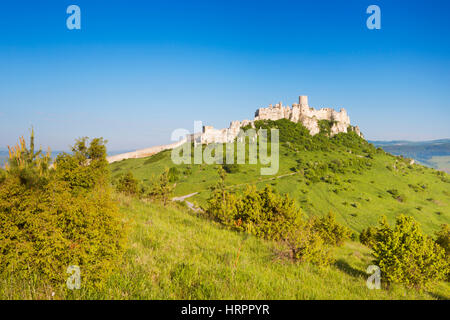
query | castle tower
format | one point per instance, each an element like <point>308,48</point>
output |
<point>303,101</point>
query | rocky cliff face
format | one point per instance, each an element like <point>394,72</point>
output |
<point>299,112</point>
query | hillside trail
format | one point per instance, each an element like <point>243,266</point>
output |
<point>197,209</point>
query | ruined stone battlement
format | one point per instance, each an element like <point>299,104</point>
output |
<point>302,112</point>
<point>299,112</point>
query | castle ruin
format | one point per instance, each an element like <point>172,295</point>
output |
<point>299,112</point>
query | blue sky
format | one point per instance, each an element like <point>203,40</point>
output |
<point>139,69</point>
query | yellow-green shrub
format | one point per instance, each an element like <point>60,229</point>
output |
<point>307,245</point>
<point>48,226</point>
<point>333,233</point>
<point>443,238</point>
<point>161,188</point>
<point>272,216</point>
<point>407,256</point>
<point>368,236</point>
<point>128,184</point>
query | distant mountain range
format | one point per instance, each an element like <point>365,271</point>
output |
<point>435,153</point>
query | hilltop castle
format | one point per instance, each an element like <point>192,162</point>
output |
<point>299,112</point>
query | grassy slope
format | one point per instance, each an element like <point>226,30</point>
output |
<point>361,205</point>
<point>173,254</point>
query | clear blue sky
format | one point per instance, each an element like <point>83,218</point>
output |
<point>139,69</point>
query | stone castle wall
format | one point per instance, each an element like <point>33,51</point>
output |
<point>299,112</point>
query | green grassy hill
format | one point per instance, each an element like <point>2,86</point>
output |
<point>177,255</point>
<point>344,174</point>
<point>173,254</point>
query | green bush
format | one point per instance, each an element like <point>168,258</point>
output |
<point>2,175</point>
<point>173,174</point>
<point>231,168</point>
<point>330,231</point>
<point>396,195</point>
<point>306,245</point>
<point>161,188</point>
<point>128,184</point>
<point>443,238</point>
<point>269,215</point>
<point>263,213</point>
<point>406,256</point>
<point>85,167</point>
<point>368,236</point>
<point>30,167</point>
<point>49,221</point>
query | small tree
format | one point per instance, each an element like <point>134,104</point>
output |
<point>231,168</point>
<point>173,174</point>
<point>162,188</point>
<point>86,167</point>
<point>330,230</point>
<point>30,166</point>
<point>2,175</point>
<point>52,218</point>
<point>306,245</point>
<point>406,256</point>
<point>128,184</point>
<point>368,236</point>
<point>443,238</point>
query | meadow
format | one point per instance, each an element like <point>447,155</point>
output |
<point>174,254</point>
<point>359,197</point>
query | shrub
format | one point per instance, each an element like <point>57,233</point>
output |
<point>128,184</point>
<point>2,175</point>
<point>406,256</point>
<point>272,216</point>
<point>396,195</point>
<point>173,174</point>
<point>231,168</point>
<point>86,166</point>
<point>393,192</point>
<point>368,237</point>
<point>306,245</point>
<point>263,213</point>
<point>325,127</point>
<point>443,238</point>
<point>162,189</point>
<point>188,171</point>
<point>30,167</point>
<point>330,231</point>
<point>53,223</point>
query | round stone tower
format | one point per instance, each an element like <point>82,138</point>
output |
<point>303,101</point>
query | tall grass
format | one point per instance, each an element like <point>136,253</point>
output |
<point>173,254</point>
